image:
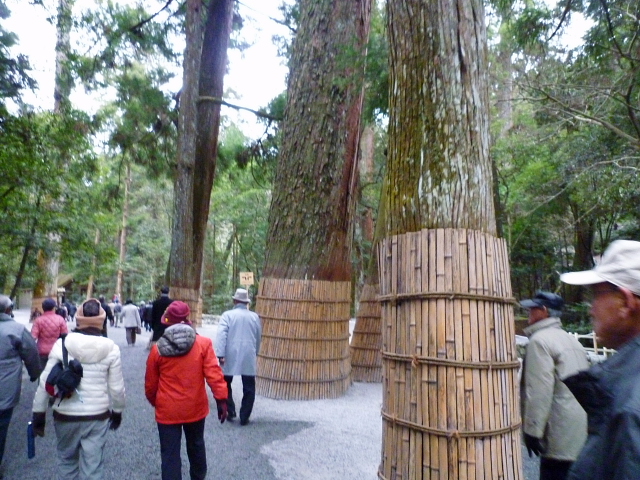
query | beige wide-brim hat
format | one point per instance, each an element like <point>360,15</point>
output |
<point>619,265</point>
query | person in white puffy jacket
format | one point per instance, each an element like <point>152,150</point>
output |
<point>82,420</point>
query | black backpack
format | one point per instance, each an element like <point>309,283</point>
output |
<point>65,376</point>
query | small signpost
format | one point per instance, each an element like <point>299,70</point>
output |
<point>246,279</point>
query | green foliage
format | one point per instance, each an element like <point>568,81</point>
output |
<point>13,71</point>
<point>238,229</point>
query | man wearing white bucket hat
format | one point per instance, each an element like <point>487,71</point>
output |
<point>237,347</point>
<point>610,391</point>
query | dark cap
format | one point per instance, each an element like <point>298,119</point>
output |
<point>544,299</point>
<point>48,304</point>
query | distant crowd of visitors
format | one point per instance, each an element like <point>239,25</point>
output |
<point>179,365</point>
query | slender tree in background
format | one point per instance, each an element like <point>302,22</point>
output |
<point>305,293</point>
<point>49,259</point>
<point>205,60</point>
<point>449,361</point>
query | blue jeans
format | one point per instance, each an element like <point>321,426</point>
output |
<point>170,440</point>
<point>5,418</point>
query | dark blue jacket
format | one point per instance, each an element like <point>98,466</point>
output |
<point>610,394</point>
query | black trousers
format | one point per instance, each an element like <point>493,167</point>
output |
<point>551,469</point>
<point>248,396</point>
<point>170,440</point>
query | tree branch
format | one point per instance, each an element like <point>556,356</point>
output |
<point>258,113</point>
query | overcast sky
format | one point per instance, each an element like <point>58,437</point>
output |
<point>257,74</point>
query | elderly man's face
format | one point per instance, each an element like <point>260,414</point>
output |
<point>536,314</point>
<point>612,323</point>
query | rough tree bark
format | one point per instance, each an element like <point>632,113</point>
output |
<point>311,216</point>
<point>123,233</point>
<point>450,406</point>
<point>205,61</point>
<point>49,263</point>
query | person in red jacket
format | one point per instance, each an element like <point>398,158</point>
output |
<point>47,328</point>
<point>177,368</point>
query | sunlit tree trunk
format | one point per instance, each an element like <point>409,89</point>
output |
<point>205,61</point>
<point>49,262</point>
<point>94,261</point>
<point>450,398</point>
<point>312,211</point>
<point>123,233</point>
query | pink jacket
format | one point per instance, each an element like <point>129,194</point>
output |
<point>47,329</point>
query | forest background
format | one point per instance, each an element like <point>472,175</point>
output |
<point>565,140</point>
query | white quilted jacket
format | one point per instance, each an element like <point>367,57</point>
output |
<point>102,385</point>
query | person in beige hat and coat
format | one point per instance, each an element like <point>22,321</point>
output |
<point>554,424</point>
<point>237,346</point>
<point>610,391</point>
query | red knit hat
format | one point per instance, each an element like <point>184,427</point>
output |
<point>176,312</point>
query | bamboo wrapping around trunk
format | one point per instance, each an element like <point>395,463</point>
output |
<point>304,354</point>
<point>366,358</point>
<point>450,391</point>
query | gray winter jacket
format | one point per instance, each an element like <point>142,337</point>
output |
<point>610,393</point>
<point>238,341</point>
<point>16,346</point>
<point>177,340</point>
<point>550,411</point>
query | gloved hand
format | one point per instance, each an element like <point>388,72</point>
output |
<point>39,419</point>
<point>533,445</point>
<point>221,361</point>
<point>115,420</point>
<point>222,410</point>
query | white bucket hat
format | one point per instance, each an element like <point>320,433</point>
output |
<point>620,265</point>
<point>241,295</point>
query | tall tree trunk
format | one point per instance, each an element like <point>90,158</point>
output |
<point>311,216</point>
<point>449,361</point>
<point>366,341</point>
<point>199,121</point>
<point>584,233</point>
<point>49,262</point>
<point>123,233</point>
<point>94,261</point>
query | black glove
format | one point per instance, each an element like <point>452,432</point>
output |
<point>222,410</point>
<point>533,445</point>
<point>38,420</point>
<point>115,420</point>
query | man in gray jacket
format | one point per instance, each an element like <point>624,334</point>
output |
<point>16,346</point>
<point>555,425</point>
<point>237,346</point>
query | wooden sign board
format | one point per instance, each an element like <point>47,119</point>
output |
<point>246,278</point>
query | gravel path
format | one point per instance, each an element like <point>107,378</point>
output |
<point>285,440</point>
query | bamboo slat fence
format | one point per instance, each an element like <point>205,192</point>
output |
<point>366,341</point>
<point>304,354</point>
<point>450,390</point>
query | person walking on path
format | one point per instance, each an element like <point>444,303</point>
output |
<point>158,308</point>
<point>178,366</point>
<point>108,314</point>
<point>117,311</point>
<point>131,321</point>
<point>610,391</point>
<point>82,420</point>
<point>554,423</point>
<point>238,344</point>
<point>16,347</point>
<point>47,328</point>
